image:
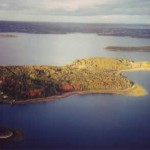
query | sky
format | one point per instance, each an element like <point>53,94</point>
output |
<point>91,11</point>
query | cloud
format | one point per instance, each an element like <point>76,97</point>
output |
<point>47,4</point>
<point>78,7</point>
<point>75,8</point>
<point>71,5</point>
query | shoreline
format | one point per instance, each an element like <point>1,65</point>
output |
<point>10,134</point>
<point>132,70</point>
<point>128,92</point>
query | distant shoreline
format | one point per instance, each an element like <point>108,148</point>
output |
<point>100,29</point>
<point>121,48</point>
<point>8,35</point>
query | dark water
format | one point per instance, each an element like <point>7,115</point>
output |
<point>98,121</point>
<point>84,122</point>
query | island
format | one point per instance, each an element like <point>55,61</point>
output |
<point>5,133</point>
<point>10,134</point>
<point>7,35</point>
<point>30,84</point>
<point>129,49</point>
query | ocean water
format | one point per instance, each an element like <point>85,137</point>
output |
<point>94,121</point>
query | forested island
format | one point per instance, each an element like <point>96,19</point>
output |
<point>121,48</point>
<point>28,84</point>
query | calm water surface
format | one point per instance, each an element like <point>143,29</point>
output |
<point>81,122</point>
<point>53,49</point>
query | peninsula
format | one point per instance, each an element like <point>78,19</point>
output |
<point>29,84</point>
<point>121,48</point>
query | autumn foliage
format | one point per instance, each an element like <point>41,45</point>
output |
<point>27,82</point>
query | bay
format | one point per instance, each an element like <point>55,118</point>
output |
<point>97,121</point>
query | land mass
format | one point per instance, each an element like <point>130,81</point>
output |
<point>7,35</point>
<point>29,84</point>
<point>121,48</point>
<point>123,30</point>
<point>10,134</point>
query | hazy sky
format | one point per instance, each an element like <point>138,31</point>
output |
<point>109,11</point>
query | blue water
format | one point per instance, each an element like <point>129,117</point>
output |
<point>98,121</point>
<point>89,121</point>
